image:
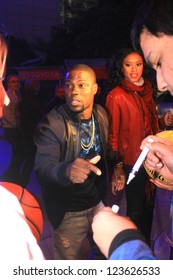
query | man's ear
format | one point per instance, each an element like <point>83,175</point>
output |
<point>95,88</point>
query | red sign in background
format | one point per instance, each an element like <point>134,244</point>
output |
<point>41,74</point>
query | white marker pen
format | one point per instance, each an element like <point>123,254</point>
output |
<point>138,163</point>
<point>115,208</point>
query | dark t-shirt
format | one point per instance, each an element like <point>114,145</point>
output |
<point>87,195</point>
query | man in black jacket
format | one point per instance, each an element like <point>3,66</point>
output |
<point>70,163</point>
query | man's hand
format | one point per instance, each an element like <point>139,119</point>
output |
<point>118,179</point>
<point>80,168</point>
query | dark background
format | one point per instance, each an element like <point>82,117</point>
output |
<point>94,33</point>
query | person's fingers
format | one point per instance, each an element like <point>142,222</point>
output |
<point>95,159</point>
<point>152,145</point>
<point>93,168</point>
<point>162,185</point>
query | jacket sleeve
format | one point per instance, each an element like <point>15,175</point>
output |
<point>114,121</point>
<point>130,245</point>
<point>48,138</point>
<point>133,250</point>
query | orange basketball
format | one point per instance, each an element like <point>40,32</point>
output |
<point>167,134</point>
<point>30,206</point>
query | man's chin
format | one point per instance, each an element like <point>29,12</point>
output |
<point>76,109</point>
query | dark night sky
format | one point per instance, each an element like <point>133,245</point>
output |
<point>96,33</point>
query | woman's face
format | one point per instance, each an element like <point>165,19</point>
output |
<point>133,67</point>
<point>158,53</point>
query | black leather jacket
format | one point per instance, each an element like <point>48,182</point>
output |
<point>57,138</point>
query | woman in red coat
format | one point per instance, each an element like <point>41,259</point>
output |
<point>132,114</point>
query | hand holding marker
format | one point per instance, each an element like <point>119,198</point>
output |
<point>138,163</point>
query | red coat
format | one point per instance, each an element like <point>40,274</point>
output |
<point>132,114</point>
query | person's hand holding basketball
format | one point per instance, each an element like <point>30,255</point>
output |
<point>159,161</point>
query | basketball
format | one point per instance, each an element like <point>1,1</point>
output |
<point>167,134</point>
<point>30,206</point>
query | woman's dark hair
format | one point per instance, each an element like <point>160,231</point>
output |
<point>156,16</point>
<point>115,68</point>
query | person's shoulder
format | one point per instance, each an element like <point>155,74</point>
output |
<point>116,91</point>
<point>54,115</point>
<point>99,108</point>
<point>100,111</point>
<point>115,94</point>
<point>56,111</point>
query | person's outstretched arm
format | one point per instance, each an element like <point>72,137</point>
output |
<point>118,237</point>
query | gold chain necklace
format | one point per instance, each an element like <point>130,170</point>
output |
<point>84,146</point>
